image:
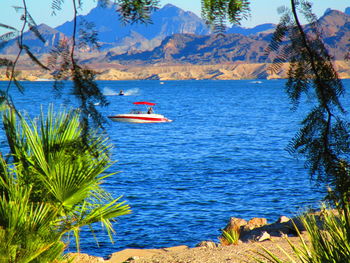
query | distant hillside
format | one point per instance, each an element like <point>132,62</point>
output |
<point>52,37</point>
<point>336,33</point>
<point>194,49</point>
<point>264,28</point>
<point>211,49</point>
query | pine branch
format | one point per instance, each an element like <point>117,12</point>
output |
<point>217,13</point>
<point>33,27</point>
<point>56,5</point>
<point>34,58</point>
<point>323,138</point>
<point>88,37</point>
<point>134,11</point>
<point>5,38</point>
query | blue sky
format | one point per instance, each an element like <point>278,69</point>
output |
<point>263,11</point>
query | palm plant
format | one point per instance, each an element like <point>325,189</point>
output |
<point>26,233</point>
<point>229,237</point>
<point>54,174</point>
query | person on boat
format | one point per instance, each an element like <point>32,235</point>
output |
<point>150,110</point>
<point>121,93</point>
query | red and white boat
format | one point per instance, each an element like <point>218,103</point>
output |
<point>138,116</point>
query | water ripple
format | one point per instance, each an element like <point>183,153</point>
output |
<point>224,155</point>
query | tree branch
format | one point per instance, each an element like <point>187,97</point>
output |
<point>319,81</point>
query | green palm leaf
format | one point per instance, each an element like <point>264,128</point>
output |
<point>63,173</point>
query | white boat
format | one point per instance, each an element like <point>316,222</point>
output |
<point>138,116</point>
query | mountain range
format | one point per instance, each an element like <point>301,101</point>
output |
<point>178,37</point>
<point>114,35</point>
<point>232,48</point>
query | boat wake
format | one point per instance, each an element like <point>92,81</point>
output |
<point>110,92</point>
<point>132,92</point>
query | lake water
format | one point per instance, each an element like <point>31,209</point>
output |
<point>222,156</point>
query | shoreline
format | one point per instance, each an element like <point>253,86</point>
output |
<point>233,71</point>
<point>254,234</point>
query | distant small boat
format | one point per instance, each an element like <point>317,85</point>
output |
<point>137,116</point>
<point>121,93</point>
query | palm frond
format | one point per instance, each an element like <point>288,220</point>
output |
<point>104,214</point>
<point>26,233</point>
<point>64,173</point>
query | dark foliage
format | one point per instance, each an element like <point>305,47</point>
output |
<point>136,10</point>
<point>86,90</point>
<point>11,72</point>
<point>29,21</point>
<point>324,138</point>
<point>7,36</point>
<point>217,13</point>
<point>88,36</point>
<point>33,57</point>
<point>84,86</point>
<point>56,5</point>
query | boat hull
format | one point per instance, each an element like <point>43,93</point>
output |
<point>139,118</point>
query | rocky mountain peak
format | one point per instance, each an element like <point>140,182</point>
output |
<point>104,4</point>
<point>333,21</point>
<point>170,7</point>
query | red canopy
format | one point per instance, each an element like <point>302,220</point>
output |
<point>144,103</point>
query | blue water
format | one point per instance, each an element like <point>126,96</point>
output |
<point>222,156</point>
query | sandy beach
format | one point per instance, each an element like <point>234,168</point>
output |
<point>244,252</point>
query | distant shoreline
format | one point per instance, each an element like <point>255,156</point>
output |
<point>234,71</point>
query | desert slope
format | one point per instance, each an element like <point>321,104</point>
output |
<point>233,71</point>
